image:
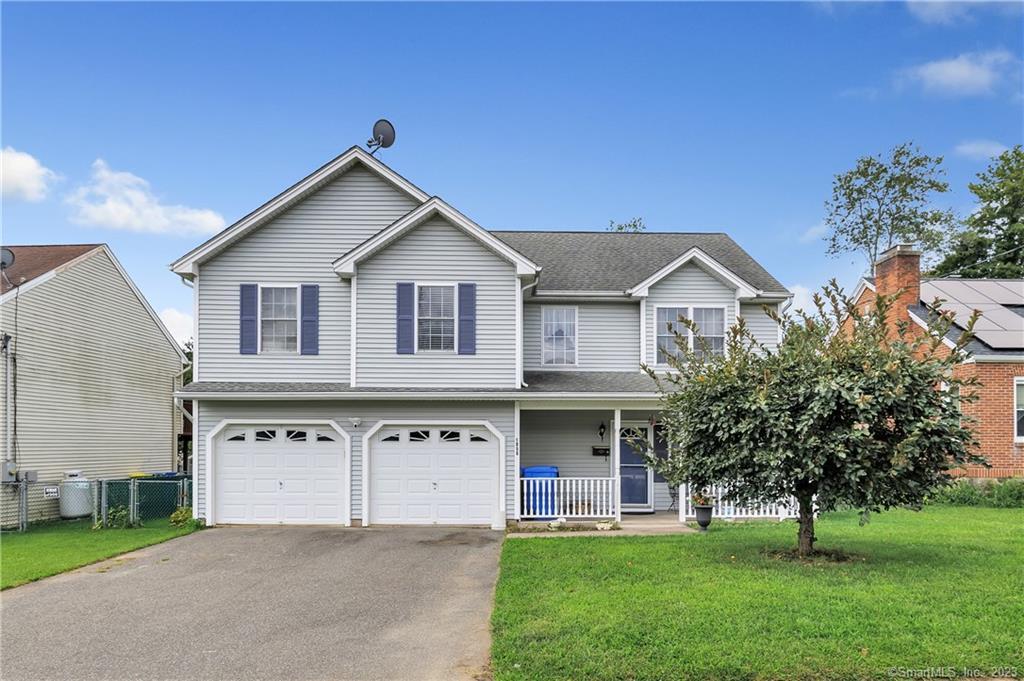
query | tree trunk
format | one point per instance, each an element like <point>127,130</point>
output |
<point>805,535</point>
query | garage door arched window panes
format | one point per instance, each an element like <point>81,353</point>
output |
<point>558,329</point>
<point>436,318</point>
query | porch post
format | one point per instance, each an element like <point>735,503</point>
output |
<point>519,483</point>
<point>616,469</point>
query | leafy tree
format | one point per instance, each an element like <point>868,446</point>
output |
<point>992,242</point>
<point>634,225</point>
<point>188,349</point>
<point>839,414</point>
<point>884,202</point>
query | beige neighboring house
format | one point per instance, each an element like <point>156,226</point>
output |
<point>94,370</point>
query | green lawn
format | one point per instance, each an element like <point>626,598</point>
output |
<point>939,588</point>
<point>45,550</point>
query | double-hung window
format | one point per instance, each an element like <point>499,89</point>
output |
<point>558,331</point>
<point>710,323</point>
<point>279,319</point>
<point>1018,408</point>
<point>668,326</point>
<point>435,317</point>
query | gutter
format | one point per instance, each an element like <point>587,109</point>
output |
<point>388,396</point>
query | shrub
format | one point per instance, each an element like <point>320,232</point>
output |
<point>995,493</point>
<point>182,517</point>
<point>119,518</point>
<point>1008,494</point>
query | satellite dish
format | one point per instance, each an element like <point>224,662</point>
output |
<point>383,136</point>
<point>6,258</point>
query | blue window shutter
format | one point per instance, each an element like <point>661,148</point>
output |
<point>404,309</point>
<point>310,319</point>
<point>467,319</point>
<point>248,301</point>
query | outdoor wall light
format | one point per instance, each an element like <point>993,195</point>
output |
<point>601,430</point>
<point>355,421</point>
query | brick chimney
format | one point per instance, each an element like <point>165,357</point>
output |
<point>899,268</point>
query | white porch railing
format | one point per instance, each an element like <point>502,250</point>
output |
<point>727,509</point>
<point>568,498</point>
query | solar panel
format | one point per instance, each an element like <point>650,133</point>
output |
<point>1001,325</point>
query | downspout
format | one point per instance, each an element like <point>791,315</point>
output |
<point>522,312</point>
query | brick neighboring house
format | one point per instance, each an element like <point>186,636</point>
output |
<point>997,350</point>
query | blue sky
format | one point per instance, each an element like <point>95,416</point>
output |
<point>145,126</point>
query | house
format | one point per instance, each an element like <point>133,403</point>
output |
<point>93,370</point>
<point>367,354</point>
<point>996,351</point>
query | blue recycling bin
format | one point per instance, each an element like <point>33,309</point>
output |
<point>541,501</point>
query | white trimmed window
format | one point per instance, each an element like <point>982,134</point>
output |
<point>1018,408</point>
<point>669,325</point>
<point>558,333</point>
<point>710,323</point>
<point>279,315</point>
<point>435,317</point>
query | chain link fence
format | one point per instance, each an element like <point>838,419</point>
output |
<point>124,502</point>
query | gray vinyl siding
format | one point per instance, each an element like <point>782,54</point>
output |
<point>689,286</point>
<point>608,337</point>
<point>436,252</point>
<point>297,247</point>
<point>95,377</point>
<point>500,414</point>
<point>763,327</point>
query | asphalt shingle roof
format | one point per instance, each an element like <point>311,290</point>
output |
<point>538,382</point>
<point>34,261</point>
<point>615,261</point>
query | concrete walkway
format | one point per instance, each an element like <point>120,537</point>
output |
<point>638,525</point>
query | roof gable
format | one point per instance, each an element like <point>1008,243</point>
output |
<point>346,265</point>
<point>87,252</point>
<point>186,265</point>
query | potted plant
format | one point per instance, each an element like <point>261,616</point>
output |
<point>702,506</point>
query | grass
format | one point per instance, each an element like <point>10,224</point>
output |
<point>939,588</point>
<point>56,547</point>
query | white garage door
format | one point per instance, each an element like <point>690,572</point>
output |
<point>280,474</point>
<point>445,475</point>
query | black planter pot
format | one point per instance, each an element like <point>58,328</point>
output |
<point>703,514</point>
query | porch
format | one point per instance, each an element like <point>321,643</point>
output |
<point>600,476</point>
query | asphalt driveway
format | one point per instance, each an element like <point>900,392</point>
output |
<point>264,603</point>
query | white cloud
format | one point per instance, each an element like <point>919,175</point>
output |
<point>979,150</point>
<point>814,233</point>
<point>121,200</point>
<point>178,323</point>
<point>23,176</point>
<point>942,13</point>
<point>971,73</point>
<point>802,298</point>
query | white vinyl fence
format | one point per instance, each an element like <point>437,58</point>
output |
<point>728,509</point>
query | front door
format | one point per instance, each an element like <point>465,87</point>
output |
<point>637,493</point>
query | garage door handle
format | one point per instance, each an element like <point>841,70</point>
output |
<point>280,484</point>
<point>434,484</point>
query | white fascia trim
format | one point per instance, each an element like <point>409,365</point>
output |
<point>345,266</point>
<point>743,289</point>
<point>409,395</point>
<point>498,522</point>
<point>863,285</point>
<point>580,294</point>
<point>185,265</point>
<point>995,359</point>
<point>28,286</point>
<point>211,436</point>
<point>924,325</point>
